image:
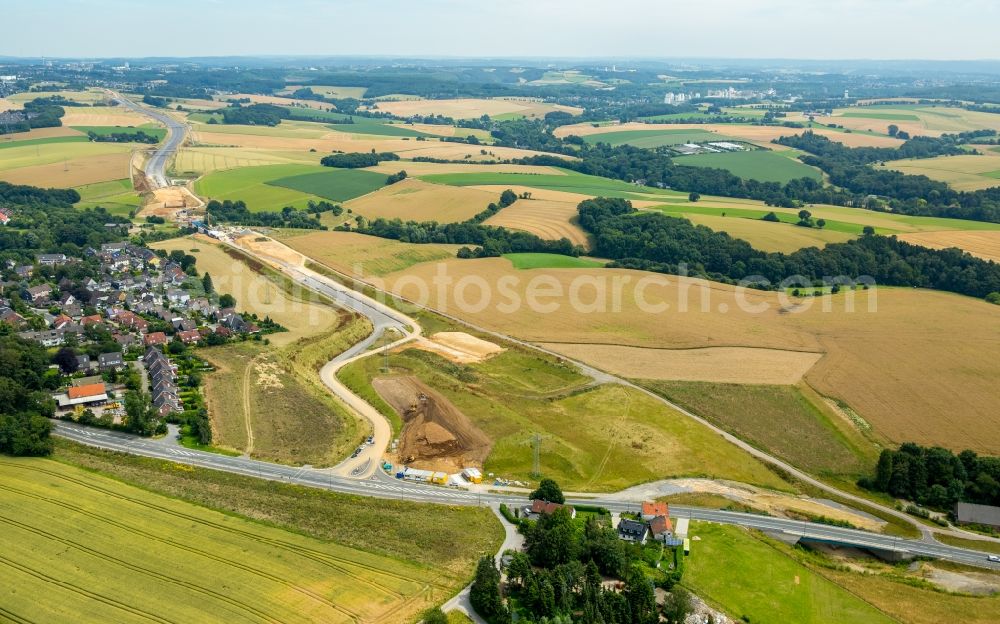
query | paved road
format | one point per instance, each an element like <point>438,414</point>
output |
<point>381,487</point>
<point>156,168</point>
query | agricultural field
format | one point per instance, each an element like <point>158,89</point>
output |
<point>790,421</point>
<point>550,261</point>
<point>365,256</point>
<point>984,244</point>
<point>760,135</point>
<point>117,197</point>
<point>748,578</point>
<point>101,550</point>
<point>470,108</point>
<point>88,96</point>
<point>661,136</point>
<point>416,200</point>
<point>872,359</point>
<point>195,161</point>
<point>103,116</point>
<point>594,438</point>
<point>149,129</point>
<point>916,119</point>
<point>333,184</point>
<point>544,218</point>
<point>261,291</point>
<point>253,185</point>
<point>64,164</point>
<point>566,181</point>
<point>331,92</point>
<point>766,166</point>
<point>763,235</point>
<point>970,172</point>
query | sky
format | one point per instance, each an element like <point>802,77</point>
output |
<point>793,29</point>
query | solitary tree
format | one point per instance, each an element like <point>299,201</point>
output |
<point>206,283</point>
<point>548,490</point>
<point>893,130</point>
<point>227,301</point>
<point>693,197</point>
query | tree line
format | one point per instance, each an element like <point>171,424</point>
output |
<point>123,137</point>
<point>289,217</point>
<point>655,242</point>
<point>357,160</point>
<point>935,476</point>
<point>25,402</point>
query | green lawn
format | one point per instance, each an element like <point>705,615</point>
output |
<point>763,165</point>
<point>656,138</point>
<point>550,261</point>
<point>333,184</point>
<point>10,140</point>
<point>571,182</point>
<point>778,419</point>
<point>251,185</point>
<point>117,196</point>
<point>149,129</point>
<point>748,578</point>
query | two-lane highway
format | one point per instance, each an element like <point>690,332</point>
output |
<point>156,167</point>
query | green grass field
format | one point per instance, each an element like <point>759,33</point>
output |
<point>762,165</point>
<point>779,419</point>
<point>656,138</point>
<point>10,140</point>
<point>550,261</point>
<point>149,129</point>
<point>601,438</point>
<point>251,185</point>
<point>333,184</point>
<point>571,182</point>
<point>748,578</point>
<point>99,550</point>
<point>117,197</point>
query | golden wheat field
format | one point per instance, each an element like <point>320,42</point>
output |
<point>416,200</point>
<point>920,367</point>
<point>545,218</point>
<point>364,256</point>
<point>985,245</point>
<point>968,172</point>
<point>469,108</point>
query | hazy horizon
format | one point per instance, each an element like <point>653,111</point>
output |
<point>872,30</point>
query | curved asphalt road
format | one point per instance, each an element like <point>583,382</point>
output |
<point>156,167</point>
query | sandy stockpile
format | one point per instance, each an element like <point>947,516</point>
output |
<point>166,202</point>
<point>103,116</point>
<point>436,435</point>
<point>718,364</point>
<point>468,108</point>
<point>985,245</point>
<point>428,168</point>
<point>921,366</point>
<point>256,293</point>
<point>422,201</point>
<point>459,347</point>
<point>547,219</point>
<point>72,172</point>
<point>270,250</point>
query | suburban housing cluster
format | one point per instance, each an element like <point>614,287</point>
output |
<point>652,523</point>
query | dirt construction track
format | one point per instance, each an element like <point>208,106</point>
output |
<point>436,436</point>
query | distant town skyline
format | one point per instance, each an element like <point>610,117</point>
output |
<point>803,29</point>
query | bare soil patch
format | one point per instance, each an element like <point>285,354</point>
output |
<point>458,347</point>
<point>436,435</point>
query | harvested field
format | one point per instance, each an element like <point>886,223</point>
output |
<point>985,245</point>
<point>739,365</point>
<point>192,161</point>
<point>761,135</point>
<point>917,120</point>
<point>278,101</point>
<point>360,255</point>
<point>875,361</point>
<point>38,133</point>
<point>35,155</point>
<point>95,549</point>
<point>72,172</point>
<point>470,108</point>
<point>436,435</point>
<point>546,219</point>
<point>763,165</point>
<point>968,172</point>
<point>422,201</point>
<point>103,116</point>
<point>765,235</point>
<point>414,169</point>
<point>296,309</point>
<point>327,91</point>
<point>458,347</point>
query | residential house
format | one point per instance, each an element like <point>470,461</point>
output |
<point>632,530</point>
<point>91,394</point>
<point>540,507</point>
<point>661,528</point>
<point>155,339</point>
<point>178,297</point>
<point>24,271</point>
<point>651,509</point>
<point>110,361</point>
<point>189,336</point>
<point>47,338</point>
<point>11,317</point>
<point>83,362</point>
<point>61,321</point>
<point>51,259</point>
<point>40,294</point>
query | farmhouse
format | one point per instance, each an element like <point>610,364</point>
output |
<point>540,507</point>
<point>969,513</point>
